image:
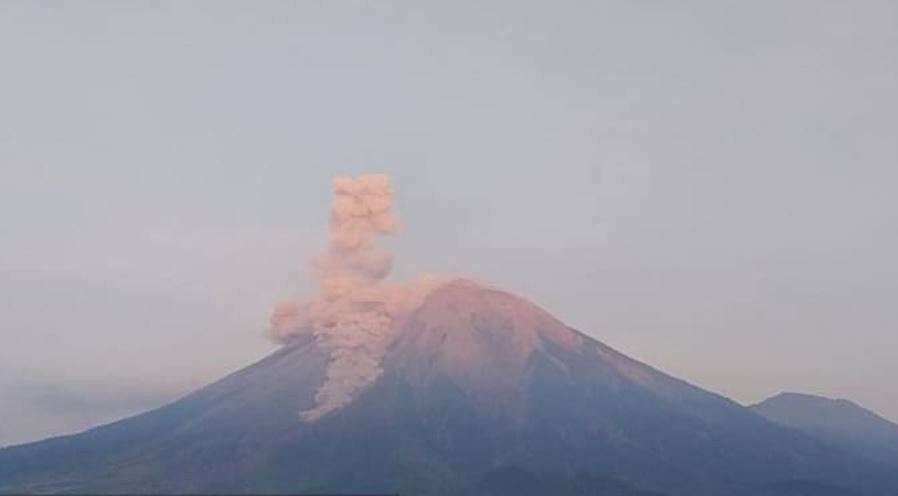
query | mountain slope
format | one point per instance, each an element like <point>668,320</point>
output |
<point>481,393</point>
<point>838,422</point>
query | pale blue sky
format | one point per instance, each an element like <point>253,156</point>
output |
<point>707,186</point>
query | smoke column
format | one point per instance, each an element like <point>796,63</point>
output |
<point>355,315</point>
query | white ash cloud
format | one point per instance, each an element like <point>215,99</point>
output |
<point>355,315</point>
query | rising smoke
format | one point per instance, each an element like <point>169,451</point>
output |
<point>355,315</point>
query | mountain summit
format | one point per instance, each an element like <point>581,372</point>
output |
<point>477,391</point>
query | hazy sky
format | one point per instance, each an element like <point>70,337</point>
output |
<point>708,186</point>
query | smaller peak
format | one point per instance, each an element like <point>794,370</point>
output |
<point>789,397</point>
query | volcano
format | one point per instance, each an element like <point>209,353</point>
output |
<point>479,392</point>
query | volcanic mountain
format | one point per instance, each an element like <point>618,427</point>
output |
<point>479,392</point>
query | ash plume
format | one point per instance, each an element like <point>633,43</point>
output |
<point>355,315</point>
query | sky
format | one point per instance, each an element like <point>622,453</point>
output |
<point>707,186</point>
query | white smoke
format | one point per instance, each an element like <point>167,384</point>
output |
<point>355,315</point>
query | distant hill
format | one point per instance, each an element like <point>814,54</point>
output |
<point>839,422</point>
<point>482,393</point>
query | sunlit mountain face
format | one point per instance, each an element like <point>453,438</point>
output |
<point>477,392</point>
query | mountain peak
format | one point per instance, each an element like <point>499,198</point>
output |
<point>463,306</point>
<point>839,421</point>
<point>792,404</point>
<point>479,337</point>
